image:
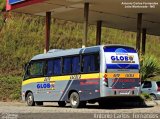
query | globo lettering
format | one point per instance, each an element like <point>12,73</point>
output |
<point>43,85</point>
<point>119,58</point>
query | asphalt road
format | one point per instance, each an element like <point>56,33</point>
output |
<point>18,110</point>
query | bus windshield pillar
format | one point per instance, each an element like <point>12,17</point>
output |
<point>143,40</point>
<point>47,35</point>
<point>86,13</point>
<point>139,28</point>
<point>98,33</point>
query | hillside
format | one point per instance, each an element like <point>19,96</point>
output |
<point>22,36</point>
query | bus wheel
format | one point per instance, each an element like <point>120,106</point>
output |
<point>62,103</point>
<point>39,103</point>
<point>30,99</point>
<point>75,100</point>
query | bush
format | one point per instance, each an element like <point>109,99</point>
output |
<point>10,88</point>
<point>145,96</point>
<point>2,5</point>
<point>150,67</point>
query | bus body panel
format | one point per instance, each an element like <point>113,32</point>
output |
<point>45,91</point>
<point>58,90</point>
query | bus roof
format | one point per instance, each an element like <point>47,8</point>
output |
<point>60,52</point>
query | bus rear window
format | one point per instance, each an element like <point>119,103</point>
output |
<point>119,49</point>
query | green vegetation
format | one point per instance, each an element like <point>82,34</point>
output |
<point>146,96</point>
<point>150,67</point>
<point>10,88</point>
<point>22,36</point>
<point>2,5</point>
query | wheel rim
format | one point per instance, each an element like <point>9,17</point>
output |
<point>30,99</point>
<point>74,100</point>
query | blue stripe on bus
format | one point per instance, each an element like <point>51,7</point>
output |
<point>113,49</point>
<point>122,66</point>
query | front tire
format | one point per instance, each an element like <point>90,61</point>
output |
<point>75,101</point>
<point>30,99</point>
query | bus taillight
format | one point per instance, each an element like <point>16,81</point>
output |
<point>105,79</point>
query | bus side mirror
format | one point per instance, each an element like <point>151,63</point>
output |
<point>27,74</point>
<point>25,66</point>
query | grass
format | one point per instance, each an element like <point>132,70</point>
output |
<point>10,88</point>
<point>145,97</point>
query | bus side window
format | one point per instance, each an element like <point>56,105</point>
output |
<point>57,67</point>
<point>50,68</point>
<point>76,65</point>
<point>90,63</point>
<point>36,69</point>
<point>67,63</point>
<point>85,63</point>
<point>95,63</point>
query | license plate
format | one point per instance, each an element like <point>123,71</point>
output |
<point>124,92</point>
<point>122,75</point>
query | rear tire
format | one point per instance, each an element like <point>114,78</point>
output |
<point>30,99</point>
<point>75,101</point>
<point>62,103</point>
